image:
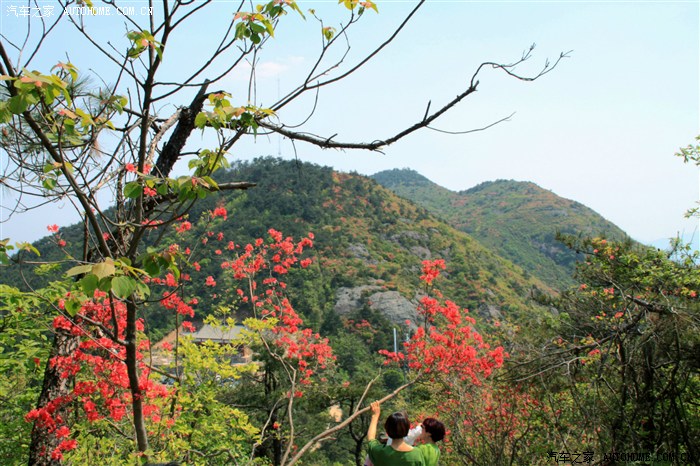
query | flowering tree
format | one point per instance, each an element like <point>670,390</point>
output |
<point>450,358</point>
<point>110,151</point>
<point>447,343</point>
<point>186,412</point>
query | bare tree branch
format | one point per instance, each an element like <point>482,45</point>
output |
<point>377,145</point>
<point>185,125</point>
<point>341,425</point>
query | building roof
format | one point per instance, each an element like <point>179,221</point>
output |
<point>209,333</point>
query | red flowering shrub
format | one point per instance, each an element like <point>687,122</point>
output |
<point>257,269</point>
<point>447,343</point>
<point>98,364</point>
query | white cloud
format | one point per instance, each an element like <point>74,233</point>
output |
<point>267,69</point>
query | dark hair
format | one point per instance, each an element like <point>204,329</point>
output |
<point>397,425</point>
<point>435,428</point>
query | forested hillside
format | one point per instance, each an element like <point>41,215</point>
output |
<point>363,282</point>
<point>518,220</point>
<point>366,283</point>
<point>369,245</point>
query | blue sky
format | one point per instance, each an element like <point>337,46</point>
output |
<point>601,129</point>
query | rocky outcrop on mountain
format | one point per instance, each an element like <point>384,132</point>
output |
<point>391,304</point>
<point>394,307</point>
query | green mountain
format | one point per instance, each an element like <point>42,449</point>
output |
<point>369,245</point>
<point>517,220</point>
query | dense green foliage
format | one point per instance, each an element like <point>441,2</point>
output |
<point>611,364</point>
<point>621,365</point>
<point>23,347</point>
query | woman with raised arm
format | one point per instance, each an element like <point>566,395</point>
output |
<point>399,453</point>
<point>427,435</point>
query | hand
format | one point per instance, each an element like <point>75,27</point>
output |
<point>376,409</point>
<point>372,428</point>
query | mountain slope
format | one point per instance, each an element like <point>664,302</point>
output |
<point>369,245</point>
<point>518,220</point>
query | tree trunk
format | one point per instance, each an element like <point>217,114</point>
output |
<point>647,405</point>
<point>132,371</point>
<point>359,453</point>
<point>43,442</point>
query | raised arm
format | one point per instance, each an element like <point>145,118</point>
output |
<point>413,434</point>
<point>372,429</point>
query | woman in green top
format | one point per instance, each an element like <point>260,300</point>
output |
<point>432,431</point>
<point>399,453</point>
<point>427,434</point>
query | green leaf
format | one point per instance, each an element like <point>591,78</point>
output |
<point>200,121</point>
<point>241,30</point>
<point>66,95</point>
<point>328,33</point>
<point>296,8</point>
<point>69,126</point>
<point>132,190</point>
<point>134,52</point>
<point>142,290</point>
<point>124,261</point>
<point>213,186</point>
<point>73,307</point>
<point>194,163</point>
<point>28,247</point>
<point>153,263</point>
<point>256,28</point>
<point>49,183</point>
<point>270,28</point>
<point>46,269</point>
<point>151,268</point>
<point>159,51</point>
<point>123,286</point>
<point>5,113</point>
<point>105,284</point>
<point>104,269</point>
<point>176,271</point>
<point>78,269</point>
<point>4,247</point>
<point>18,104</point>
<point>89,284</point>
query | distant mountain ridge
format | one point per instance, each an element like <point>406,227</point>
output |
<point>517,219</point>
